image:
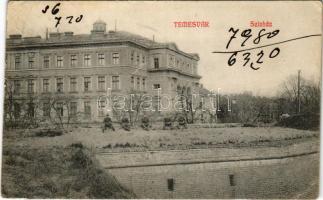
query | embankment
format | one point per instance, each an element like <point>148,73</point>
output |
<point>265,172</point>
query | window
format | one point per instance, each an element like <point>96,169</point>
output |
<point>31,60</point>
<point>156,86</point>
<point>143,84</point>
<point>171,61</point>
<point>201,104</point>
<point>133,82</point>
<point>87,84</point>
<point>73,109</point>
<point>177,63</point>
<point>143,59</point>
<point>59,109</point>
<point>115,58</point>
<point>46,61</point>
<point>17,61</point>
<point>138,83</point>
<point>232,181</point>
<point>59,84</point>
<point>16,110</point>
<point>87,60</point>
<point>45,85</point>
<point>101,83</point>
<point>115,83</point>
<point>138,59</point>
<point>31,110</point>
<point>170,184</point>
<point>46,109</point>
<point>156,63</point>
<point>59,61</point>
<point>101,58</point>
<point>132,56</point>
<point>73,84</point>
<point>73,60</point>
<point>87,109</point>
<point>16,86</point>
<point>101,108</point>
<point>31,86</point>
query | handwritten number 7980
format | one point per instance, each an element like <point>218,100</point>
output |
<point>246,35</point>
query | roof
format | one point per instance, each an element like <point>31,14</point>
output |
<point>68,38</point>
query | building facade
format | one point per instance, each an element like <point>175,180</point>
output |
<point>83,67</point>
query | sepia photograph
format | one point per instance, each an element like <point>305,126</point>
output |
<point>162,100</point>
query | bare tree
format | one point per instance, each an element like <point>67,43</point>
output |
<point>309,95</point>
<point>58,110</point>
<point>130,106</point>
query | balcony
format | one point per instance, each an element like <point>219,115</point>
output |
<point>161,69</point>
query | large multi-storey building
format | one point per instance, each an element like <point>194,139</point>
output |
<point>86,66</point>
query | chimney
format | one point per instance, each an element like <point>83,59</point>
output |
<point>32,39</point>
<point>15,36</point>
<point>54,35</point>
<point>68,34</point>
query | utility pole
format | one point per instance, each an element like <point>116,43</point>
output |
<point>46,34</point>
<point>298,91</point>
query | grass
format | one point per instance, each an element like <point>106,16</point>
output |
<point>141,140</point>
<point>56,172</point>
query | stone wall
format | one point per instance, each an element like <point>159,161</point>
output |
<point>276,172</point>
<point>279,178</point>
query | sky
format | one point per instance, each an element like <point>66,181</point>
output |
<point>156,19</point>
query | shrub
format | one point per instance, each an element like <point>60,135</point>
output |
<point>48,133</point>
<point>77,145</point>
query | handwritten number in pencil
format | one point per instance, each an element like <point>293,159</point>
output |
<point>260,55</point>
<point>246,33</point>
<point>78,19</point>
<point>272,54</point>
<point>58,20</point>
<point>69,17</point>
<point>232,59</point>
<point>55,9</point>
<point>246,58</point>
<point>232,37</point>
<point>45,9</point>
<point>269,35</point>
<point>254,68</point>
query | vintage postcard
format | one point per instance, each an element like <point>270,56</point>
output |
<point>162,99</point>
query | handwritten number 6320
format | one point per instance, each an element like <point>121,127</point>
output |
<point>246,58</point>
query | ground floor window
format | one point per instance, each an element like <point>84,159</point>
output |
<point>31,110</point>
<point>101,108</point>
<point>87,109</point>
<point>73,109</point>
<point>46,109</point>
<point>59,109</point>
<point>16,110</point>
